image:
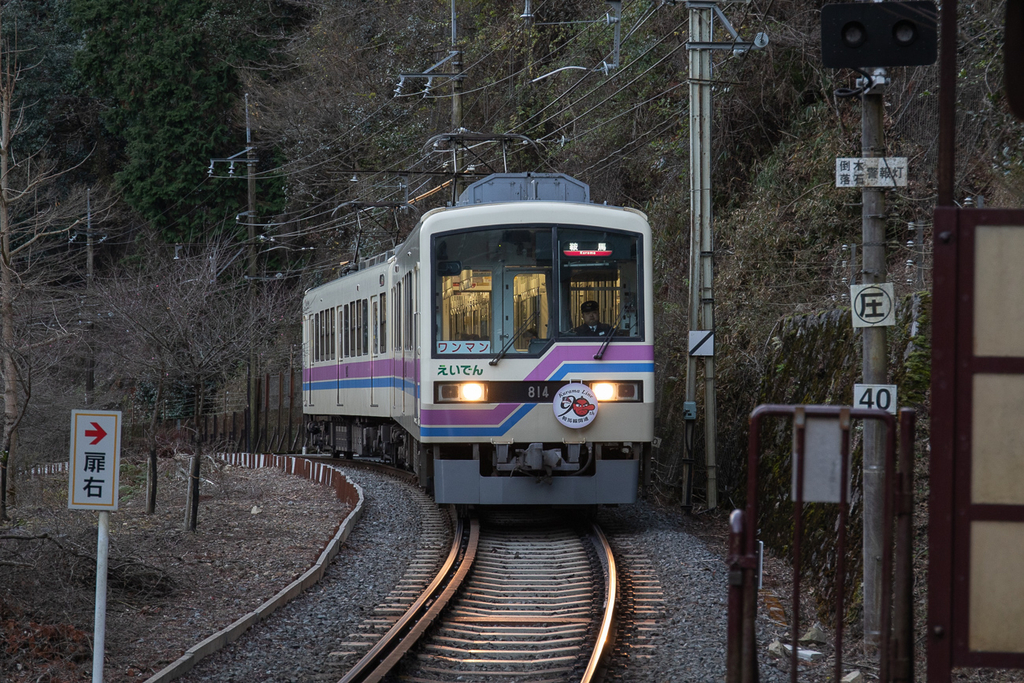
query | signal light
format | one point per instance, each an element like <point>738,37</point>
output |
<point>870,34</point>
<point>854,34</point>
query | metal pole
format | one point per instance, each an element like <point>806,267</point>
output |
<point>873,366</point>
<point>100,621</point>
<point>903,581</point>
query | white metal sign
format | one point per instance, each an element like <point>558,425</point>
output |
<point>95,458</point>
<point>575,405</point>
<point>871,172</point>
<point>880,396</point>
<point>702,343</point>
<point>823,439</point>
<point>873,305</point>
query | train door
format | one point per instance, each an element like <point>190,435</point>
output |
<point>342,350</point>
<point>408,339</point>
<point>396,348</point>
<point>374,346</point>
<point>414,329</point>
<point>307,355</point>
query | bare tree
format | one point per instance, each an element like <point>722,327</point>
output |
<point>36,213</point>
<point>191,322</point>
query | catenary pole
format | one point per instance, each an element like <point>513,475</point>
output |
<point>701,244</point>
<point>873,362</point>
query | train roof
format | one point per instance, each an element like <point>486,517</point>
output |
<point>514,187</point>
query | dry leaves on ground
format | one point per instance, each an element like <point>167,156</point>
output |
<point>168,588</point>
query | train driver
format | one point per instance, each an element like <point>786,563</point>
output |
<point>592,325</point>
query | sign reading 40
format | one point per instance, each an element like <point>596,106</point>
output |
<point>880,396</point>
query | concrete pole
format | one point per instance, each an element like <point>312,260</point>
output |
<point>874,370</point>
<point>701,243</point>
<point>250,154</point>
<point>456,107</point>
<point>90,360</point>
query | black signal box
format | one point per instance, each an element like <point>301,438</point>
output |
<point>869,34</point>
<point>1013,54</point>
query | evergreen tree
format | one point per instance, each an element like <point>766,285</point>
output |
<point>166,77</point>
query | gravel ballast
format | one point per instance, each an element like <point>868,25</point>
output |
<point>311,639</point>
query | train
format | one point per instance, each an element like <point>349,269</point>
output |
<point>504,352</point>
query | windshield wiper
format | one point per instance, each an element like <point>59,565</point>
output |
<point>608,340</point>
<point>518,333</point>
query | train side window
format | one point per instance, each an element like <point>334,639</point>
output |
<point>316,337</point>
<point>352,328</point>
<point>366,327</point>
<point>383,346</point>
<point>334,338</point>
<point>408,312</point>
<point>307,339</point>
<point>398,316</point>
<point>346,351</point>
<point>359,328</point>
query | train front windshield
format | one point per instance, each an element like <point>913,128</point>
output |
<point>522,287</point>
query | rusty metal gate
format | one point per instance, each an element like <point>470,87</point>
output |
<point>896,657</point>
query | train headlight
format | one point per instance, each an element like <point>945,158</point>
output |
<point>456,392</point>
<point>604,391</point>
<point>472,391</point>
<point>616,391</point>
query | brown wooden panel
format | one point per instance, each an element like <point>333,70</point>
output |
<point>976,517</point>
<point>996,590</point>
<point>997,439</point>
<point>998,288</point>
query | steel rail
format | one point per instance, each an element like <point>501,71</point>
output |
<point>606,635</point>
<point>383,656</point>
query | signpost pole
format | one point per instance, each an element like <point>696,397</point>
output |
<point>93,485</point>
<point>873,363</point>
<point>100,622</point>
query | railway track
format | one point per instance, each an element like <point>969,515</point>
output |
<point>518,598</point>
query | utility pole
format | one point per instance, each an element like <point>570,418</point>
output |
<point>701,248</point>
<point>870,37</point>
<point>250,156</point>
<point>90,360</point>
<point>250,162</point>
<point>874,361</point>
<point>456,105</point>
<point>702,264</point>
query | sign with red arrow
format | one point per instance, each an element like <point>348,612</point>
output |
<point>97,432</point>
<point>95,459</point>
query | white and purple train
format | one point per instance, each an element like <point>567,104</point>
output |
<point>504,351</point>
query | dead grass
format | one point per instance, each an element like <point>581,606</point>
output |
<point>168,588</point>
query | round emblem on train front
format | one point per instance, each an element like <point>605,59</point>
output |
<point>575,405</point>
